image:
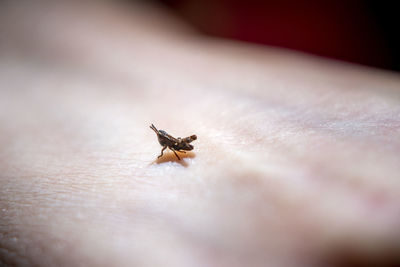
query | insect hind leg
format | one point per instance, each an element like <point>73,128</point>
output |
<point>175,153</point>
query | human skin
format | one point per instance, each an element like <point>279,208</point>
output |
<point>296,161</point>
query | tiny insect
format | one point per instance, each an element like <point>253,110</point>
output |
<point>175,144</point>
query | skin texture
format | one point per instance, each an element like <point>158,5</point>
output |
<point>296,161</point>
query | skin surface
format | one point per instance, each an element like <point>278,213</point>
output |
<point>296,161</point>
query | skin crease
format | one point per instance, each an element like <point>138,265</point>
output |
<point>296,161</point>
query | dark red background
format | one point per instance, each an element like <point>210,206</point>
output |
<point>357,31</point>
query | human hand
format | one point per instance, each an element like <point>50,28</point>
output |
<point>296,162</point>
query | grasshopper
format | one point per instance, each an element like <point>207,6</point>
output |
<point>175,144</point>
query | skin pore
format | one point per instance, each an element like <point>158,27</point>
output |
<point>296,161</point>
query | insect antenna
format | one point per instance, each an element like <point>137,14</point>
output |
<point>154,128</point>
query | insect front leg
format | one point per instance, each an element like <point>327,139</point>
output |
<point>162,151</point>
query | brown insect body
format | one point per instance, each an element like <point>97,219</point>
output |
<point>175,144</point>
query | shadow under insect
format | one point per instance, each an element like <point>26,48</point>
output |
<point>170,157</point>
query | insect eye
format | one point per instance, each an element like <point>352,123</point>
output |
<point>162,132</point>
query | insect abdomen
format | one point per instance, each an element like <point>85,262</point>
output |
<point>190,138</point>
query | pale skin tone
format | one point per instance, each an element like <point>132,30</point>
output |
<point>296,161</point>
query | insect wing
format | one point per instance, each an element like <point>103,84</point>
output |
<point>169,137</point>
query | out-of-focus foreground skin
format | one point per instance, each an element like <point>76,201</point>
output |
<point>296,162</point>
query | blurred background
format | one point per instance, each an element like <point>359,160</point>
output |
<point>363,32</point>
